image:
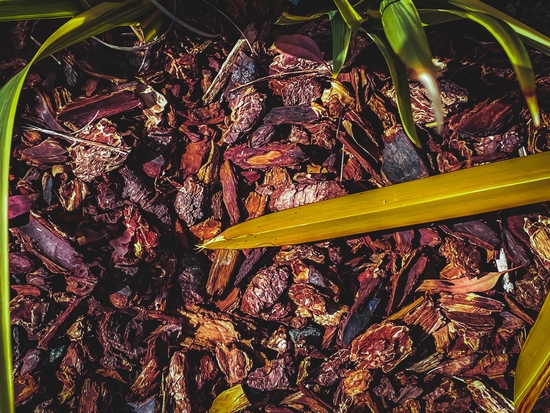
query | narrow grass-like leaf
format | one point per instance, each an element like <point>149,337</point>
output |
<point>287,19</point>
<point>430,17</point>
<point>530,36</point>
<point>349,14</point>
<point>404,31</point>
<point>533,368</point>
<point>500,185</point>
<point>517,54</point>
<point>100,18</point>
<point>16,10</point>
<point>401,84</point>
<point>341,36</point>
<point>232,400</point>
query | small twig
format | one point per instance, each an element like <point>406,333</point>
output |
<point>277,75</point>
<point>86,125</point>
<point>73,139</point>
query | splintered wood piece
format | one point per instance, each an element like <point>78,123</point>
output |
<point>224,265</point>
<point>82,111</point>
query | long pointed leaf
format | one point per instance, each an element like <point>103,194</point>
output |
<point>16,10</point>
<point>500,185</point>
<point>530,35</point>
<point>91,22</point>
<point>287,19</point>
<point>404,31</point>
<point>349,14</point>
<point>341,36</point>
<point>518,55</point>
<point>401,84</point>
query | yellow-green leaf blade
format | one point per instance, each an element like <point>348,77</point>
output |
<point>517,54</point>
<point>100,18</point>
<point>404,31</point>
<point>471,191</point>
<point>9,93</point>
<point>530,36</point>
<point>16,10</point>
<point>533,368</point>
<point>349,14</point>
<point>401,85</point>
<point>287,19</point>
<point>341,36</point>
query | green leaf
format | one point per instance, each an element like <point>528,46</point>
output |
<point>518,55</point>
<point>492,187</point>
<point>350,15</point>
<point>94,21</point>
<point>404,31</point>
<point>430,17</point>
<point>530,36</point>
<point>16,10</point>
<point>341,36</point>
<point>401,84</point>
<point>287,19</point>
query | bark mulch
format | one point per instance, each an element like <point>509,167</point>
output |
<point>128,160</point>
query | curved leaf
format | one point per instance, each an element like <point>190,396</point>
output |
<point>530,36</point>
<point>402,91</point>
<point>298,45</point>
<point>94,21</point>
<point>349,14</point>
<point>287,19</point>
<point>341,36</point>
<point>404,31</point>
<point>16,10</point>
<point>518,55</point>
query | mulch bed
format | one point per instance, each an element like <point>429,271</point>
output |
<point>129,160</point>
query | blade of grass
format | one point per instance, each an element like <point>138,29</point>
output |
<point>500,185</point>
<point>16,10</point>
<point>94,21</point>
<point>404,31</point>
<point>401,84</point>
<point>533,368</point>
<point>287,19</point>
<point>181,22</point>
<point>517,54</point>
<point>530,36</point>
<point>341,36</point>
<point>349,14</point>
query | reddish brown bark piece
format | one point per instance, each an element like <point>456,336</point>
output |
<point>190,201</point>
<point>247,108</point>
<point>276,154</point>
<point>176,383</point>
<point>291,115</point>
<point>234,363</point>
<point>90,161</point>
<point>273,376</point>
<point>81,111</point>
<point>48,152</point>
<point>264,289</point>
<point>229,186</point>
<point>223,267</point>
<point>302,194</point>
<point>382,346</point>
